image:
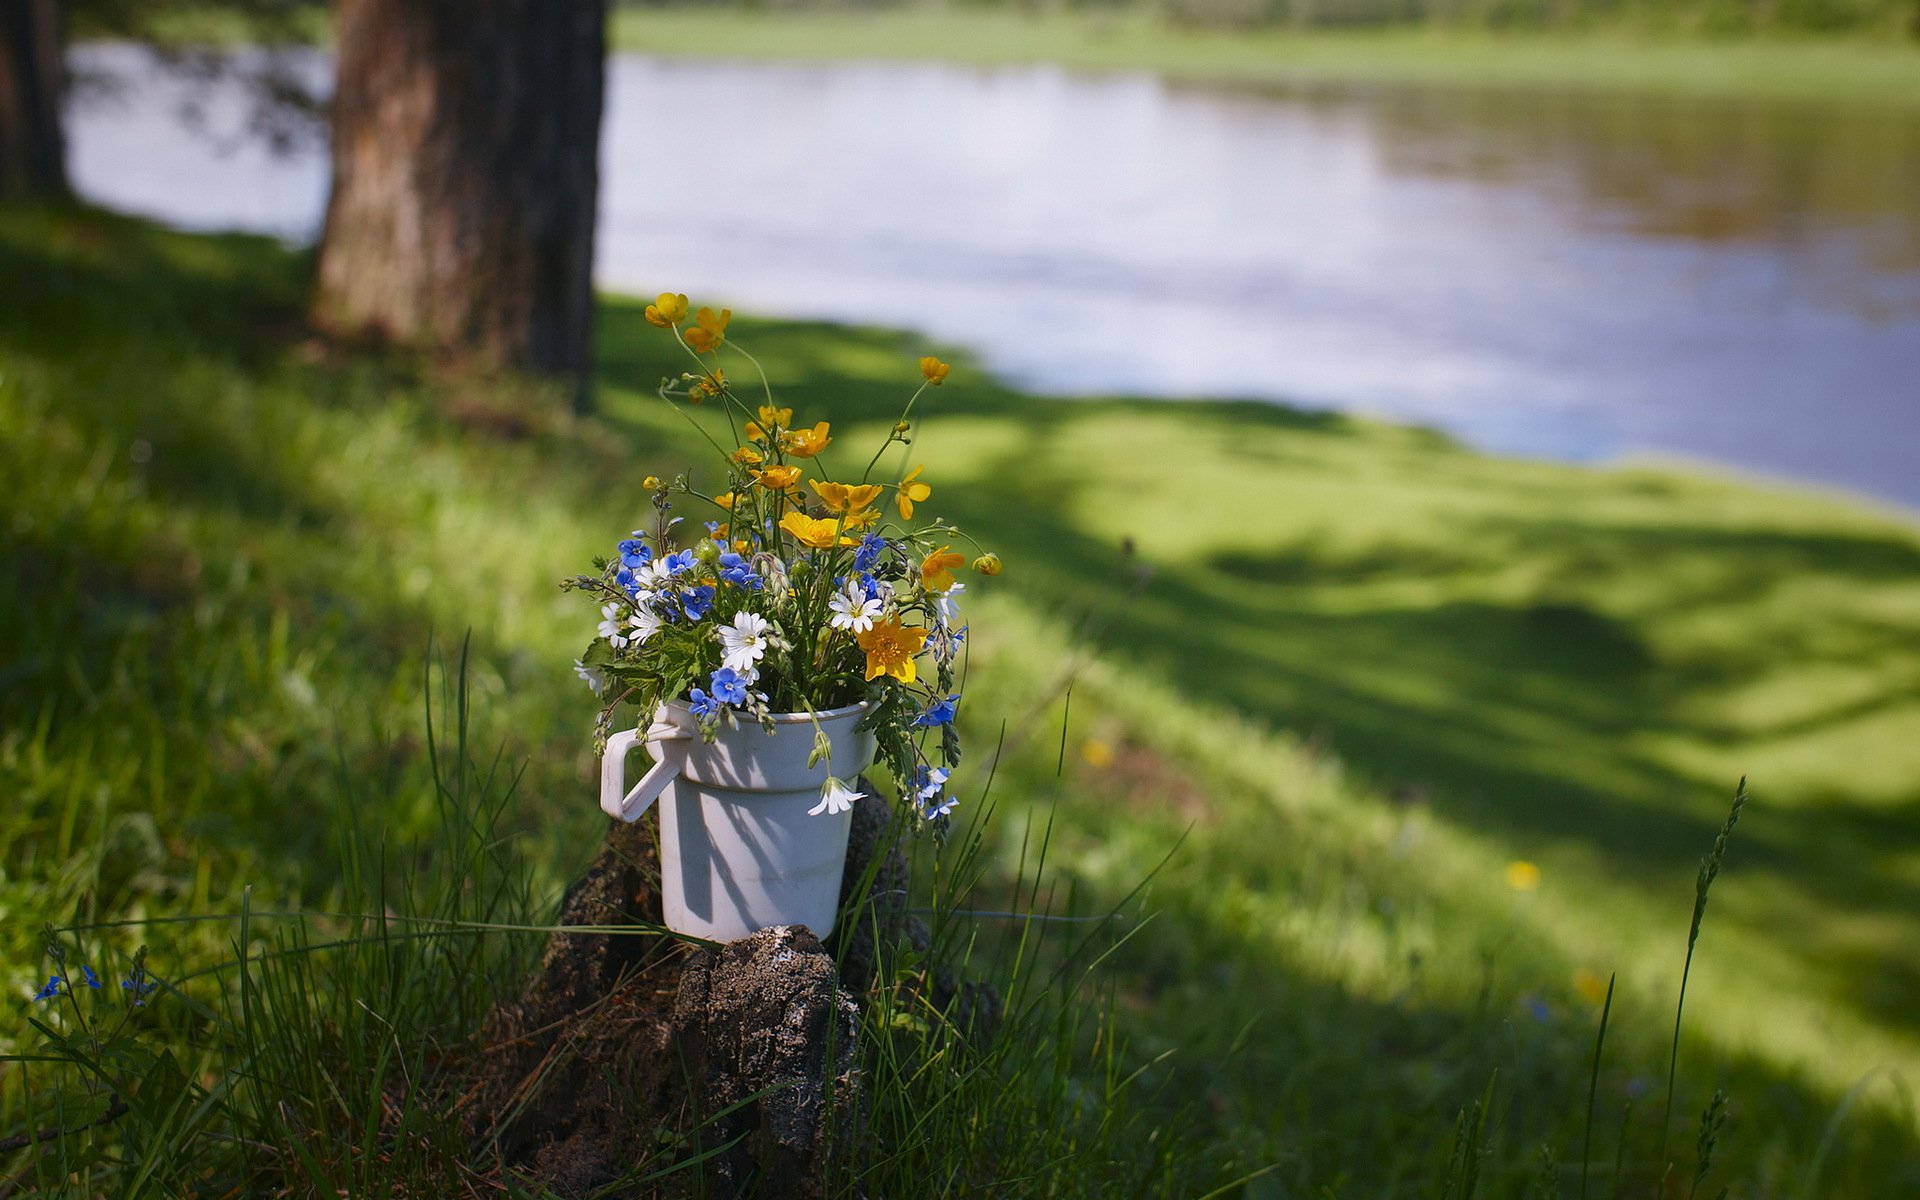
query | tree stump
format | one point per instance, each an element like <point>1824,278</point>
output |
<point>630,1055</point>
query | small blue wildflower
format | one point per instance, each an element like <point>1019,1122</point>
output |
<point>139,983</point>
<point>713,529</point>
<point>677,562</point>
<point>634,552</point>
<point>92,980</point>
<point>928,786</point>
<point>735,570</point>
<point>703,705</point>
<point>945,643</point>
<point>1538,1009</point>
<point>624,577</point>
<point>940,712</point>
<point>697,601</point>
<point>871,547</point>
<point>50,991</point>
<point>729,686</point>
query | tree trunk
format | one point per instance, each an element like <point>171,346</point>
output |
<point>466,140</point>
<point>33,150</point>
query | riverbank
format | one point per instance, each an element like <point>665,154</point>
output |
<point>1838,70</point>
<point>1417,746</point>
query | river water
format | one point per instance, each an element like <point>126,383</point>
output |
<point>1568,276</point>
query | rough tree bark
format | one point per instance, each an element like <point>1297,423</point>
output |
<point>465,174</point>
<point>33,149</point>
<point>628,1055</point>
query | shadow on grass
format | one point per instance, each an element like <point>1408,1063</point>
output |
<point>1531,713</point>
<point>200,606</point>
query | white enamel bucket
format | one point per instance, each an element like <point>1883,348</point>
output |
<point>738,851</point>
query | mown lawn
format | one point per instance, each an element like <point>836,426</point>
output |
<point>1330,680</point>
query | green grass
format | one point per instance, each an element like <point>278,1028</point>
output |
<point>1879,71</point>
<point>1365,671</point>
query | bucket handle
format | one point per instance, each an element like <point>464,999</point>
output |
<point>668,745</point>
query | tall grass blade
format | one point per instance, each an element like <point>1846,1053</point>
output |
<point>1702,884</point>
<point>1593,1086</point>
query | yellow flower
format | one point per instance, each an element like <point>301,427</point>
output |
<point>1096,753</point>
<point>724,500</point>
<point>846,497</point>
<point>1591,987</point>
<point>669,309</point>
<point>987,564</point>
<point>778,479</point>
<point>1522,876</point>
<point>936,569</point>
<point>772,421</point>
<point>720,531</point>
<point>712,384</point>
<point>741,545</point>
<point>747,456</point>
<point>911,493</point>
<point>934,370</point>
<point>890,648</point>
<point>860,519</point>
<point>708,331</point>
<point>805,443</point>
<point>651,483</point>
<point>811,531</point>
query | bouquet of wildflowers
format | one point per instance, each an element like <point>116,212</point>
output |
<point>801,587</point>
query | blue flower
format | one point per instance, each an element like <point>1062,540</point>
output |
<point>871,547</point>
<point>93,981</point>
<point>703,705</point>
<point>50,991</point>
<point>713,528</point>
<point>139,983</point>
<point>928,786</point>
<point>624,577</point>
<point>735,570</point>
<point>697,602</point>
<point>729,686</point>
<point>945,643</point>
<point>678,562</point>
<point>940,712</point>
<point>634,552</point>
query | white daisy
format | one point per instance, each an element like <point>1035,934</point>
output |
<point>610,626</point>
<point>835,799</point>
<point>644,624</point>
<point>593,678</point>
<point>853,609</point>
<point>744,642</point>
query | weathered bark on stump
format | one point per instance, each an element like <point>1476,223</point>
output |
<point>767,1039</point>
<point>626,1052</point>
<point>465,177</point>
<point>33,147</point>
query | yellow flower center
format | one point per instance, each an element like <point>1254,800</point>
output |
<point>890,647</point>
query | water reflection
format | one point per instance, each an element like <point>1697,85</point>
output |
<point>1834,189</point>
<point>1571,276</point>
